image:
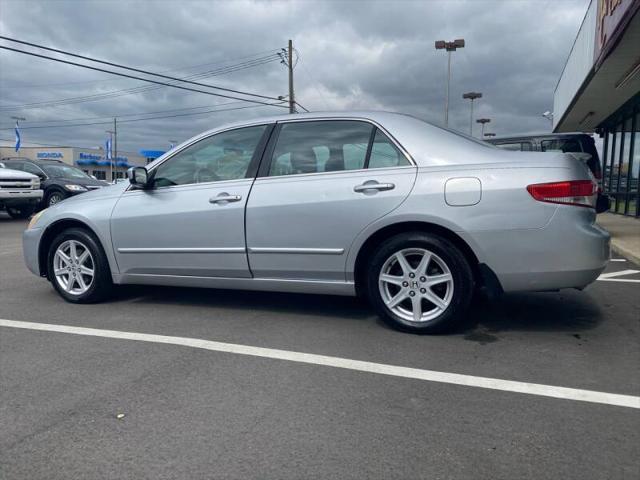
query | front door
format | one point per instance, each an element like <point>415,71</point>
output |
<point>191,222</point>
<point>323,182</point>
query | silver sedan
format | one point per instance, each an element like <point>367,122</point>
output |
<point>412,216</point>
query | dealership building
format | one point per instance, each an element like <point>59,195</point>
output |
<point>92,161</point>
<point>599,91</point>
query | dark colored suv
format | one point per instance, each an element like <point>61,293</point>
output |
<point>58,179</point>
<point>578,143</point>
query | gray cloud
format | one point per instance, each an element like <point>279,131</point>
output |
<point>357,54</point>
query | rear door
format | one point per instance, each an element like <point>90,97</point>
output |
<point>321,182</point>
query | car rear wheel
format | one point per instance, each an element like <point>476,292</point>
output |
<point>54,197</point>
<point>20,213</point>
<point>420,283</point>
<point>78,267</point>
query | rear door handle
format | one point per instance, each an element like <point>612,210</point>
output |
<point>370,185</point>
<point>224,197</point>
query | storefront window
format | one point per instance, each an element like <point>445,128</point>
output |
<point>634,168</point>
<point>621,160</point>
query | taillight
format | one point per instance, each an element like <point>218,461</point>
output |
<point>576,192</point>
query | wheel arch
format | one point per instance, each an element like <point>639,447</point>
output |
<point>388,231</point>
<point>53,231</point>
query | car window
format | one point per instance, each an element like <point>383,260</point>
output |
<point>385,154</point>
<point>514,146</point>
<point>561,144</point>
<point>14,166</point>
<point>320,146</point>
<point>225,156</point>
<point>31,168</point>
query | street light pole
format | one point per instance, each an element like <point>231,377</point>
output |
<point>483,121</point>
<point>471,96</point>
<point>449,47</point>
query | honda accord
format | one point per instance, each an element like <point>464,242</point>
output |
<point>412,216</point>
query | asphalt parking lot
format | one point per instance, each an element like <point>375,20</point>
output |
<point>86,406</point>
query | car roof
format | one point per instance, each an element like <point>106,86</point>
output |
<point>37,162</point>
<point>377,116</point>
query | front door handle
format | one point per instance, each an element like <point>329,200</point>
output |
<point>371,185</point>
<point>224,197</point>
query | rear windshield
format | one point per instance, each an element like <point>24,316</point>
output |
<point>566,145</point>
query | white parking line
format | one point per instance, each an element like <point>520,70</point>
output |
<point>617,260</point>
<point>608,277</point>
<point>629,401</point>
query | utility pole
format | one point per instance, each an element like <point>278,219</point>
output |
<point>471,96</point>
<point>292,100</point>
<point>483,121</point>
<point>449,47</point>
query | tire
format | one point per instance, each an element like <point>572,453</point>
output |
<point>98,286</point>
<point>448,276</point>
<point>54,197</point>
<point>20,213</point>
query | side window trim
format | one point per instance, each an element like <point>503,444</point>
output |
<point>267,156</point>
<point>253,164</point>
<point>265,164</point>
<point>367,157</point>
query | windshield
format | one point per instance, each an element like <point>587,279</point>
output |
<point>64,171</point>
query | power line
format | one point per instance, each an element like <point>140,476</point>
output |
<point>146,72</point>
<point>118,115</point>
<point>272,51</point>
<point>118,93</point>
<point>305,109</point>
<point>132,76</point>
<point>148,118</point>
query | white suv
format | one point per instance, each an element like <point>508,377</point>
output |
<point>20,192</point>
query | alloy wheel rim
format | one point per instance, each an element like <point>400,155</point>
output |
<point>416,284</point>
<point>53,199</point>
<point>73,267</point>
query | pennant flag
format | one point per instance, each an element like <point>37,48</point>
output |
<point>17,137</point>
<point>107,149</point>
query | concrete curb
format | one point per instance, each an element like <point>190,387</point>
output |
<point>625,252</point>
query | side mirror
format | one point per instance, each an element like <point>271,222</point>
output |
<point>138,177</point>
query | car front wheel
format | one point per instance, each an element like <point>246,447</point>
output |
<point>54,197</point>
<point>420,283</point>
<point>78,268</point>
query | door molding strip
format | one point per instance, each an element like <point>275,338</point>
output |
<point>183,250</point>
<point>309,251</point>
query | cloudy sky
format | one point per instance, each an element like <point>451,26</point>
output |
<point>350,55</point>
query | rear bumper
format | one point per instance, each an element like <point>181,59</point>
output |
<point>570,252</point>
